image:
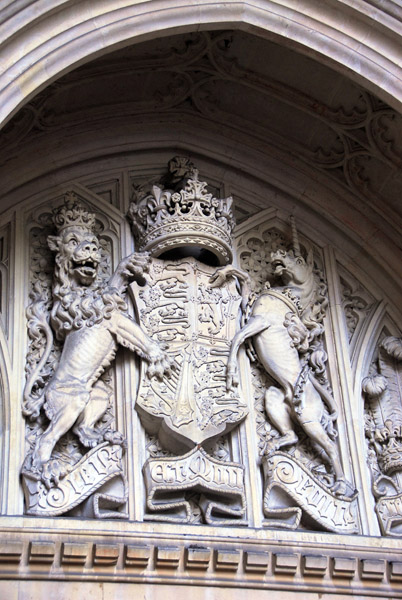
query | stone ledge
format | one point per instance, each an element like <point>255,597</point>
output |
<point>359,566</point>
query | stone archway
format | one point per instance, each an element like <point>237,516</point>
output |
<point>103,151</point>
<point>42,43</point>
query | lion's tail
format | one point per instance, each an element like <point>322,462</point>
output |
<point>38,327</point>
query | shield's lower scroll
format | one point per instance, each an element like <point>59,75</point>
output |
<point>220,485</point>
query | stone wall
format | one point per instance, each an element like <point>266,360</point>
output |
<point>185,402</point>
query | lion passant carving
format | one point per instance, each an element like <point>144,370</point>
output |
<point>90,319</point>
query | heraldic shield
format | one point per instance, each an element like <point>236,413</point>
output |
<point>196,322</point>
<point>188,409</point>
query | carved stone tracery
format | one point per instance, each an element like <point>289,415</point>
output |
<point>355,135</point>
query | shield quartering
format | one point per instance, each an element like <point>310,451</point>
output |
<point>180,308</point>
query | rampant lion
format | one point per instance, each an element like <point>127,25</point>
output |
<point>286,327</point>
<point>90,318</point>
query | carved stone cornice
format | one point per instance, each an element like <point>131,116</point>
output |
<point>239,558</point>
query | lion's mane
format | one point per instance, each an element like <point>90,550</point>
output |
<point>306,329</point>
<point>75,307</point>
<point>313,315</point>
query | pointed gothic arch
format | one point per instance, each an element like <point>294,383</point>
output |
<point>103,160</point>
<point>56,37</point>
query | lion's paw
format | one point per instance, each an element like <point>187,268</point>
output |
<point>135,265</point>
<point>115,437</point>
<point>159,363</point>
<point>52,471</point>
<point>90,438</point>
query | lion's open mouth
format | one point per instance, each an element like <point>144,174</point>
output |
<point>86,268</point>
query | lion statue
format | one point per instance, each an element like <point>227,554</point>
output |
<point>90,319</point>
<point>285,326</point>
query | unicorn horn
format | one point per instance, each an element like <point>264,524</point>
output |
<point>295,238</point>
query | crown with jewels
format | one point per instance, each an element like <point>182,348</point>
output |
<point>72,214</point>
<point>190,217</point>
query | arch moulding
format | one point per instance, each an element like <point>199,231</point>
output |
<point>40,41</point>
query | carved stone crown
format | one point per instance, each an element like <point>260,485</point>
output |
<point>190,218</point>
<point>73,214</point>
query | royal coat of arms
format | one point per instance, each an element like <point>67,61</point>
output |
<point>193,312</point>
<point>193,315</point>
